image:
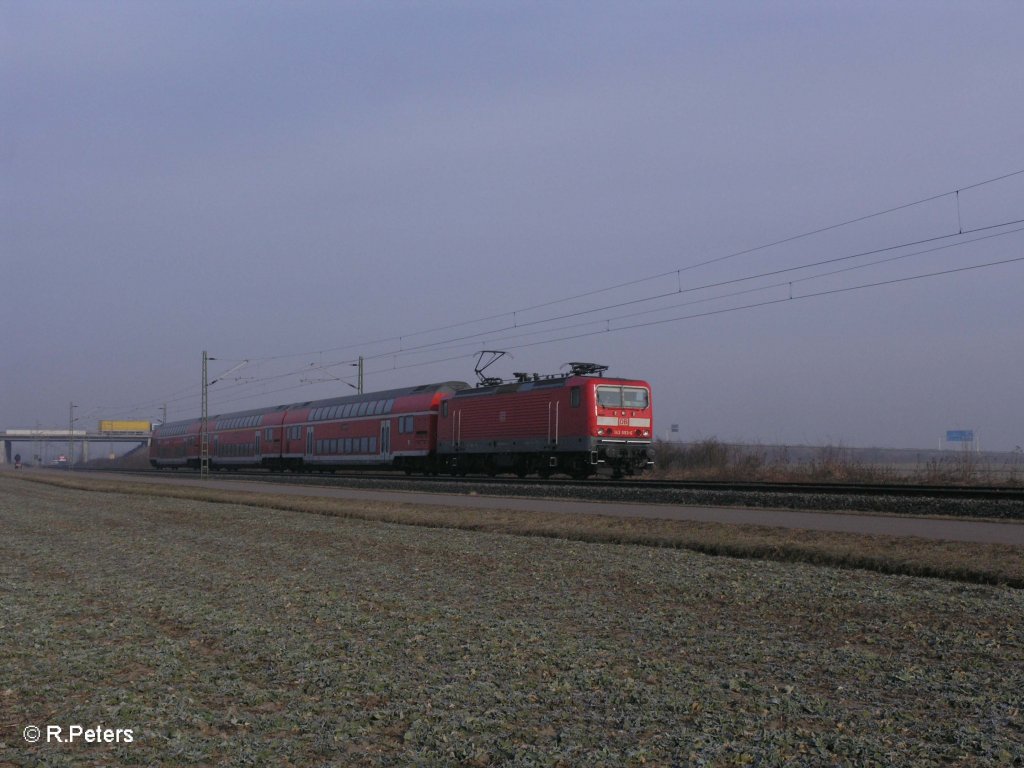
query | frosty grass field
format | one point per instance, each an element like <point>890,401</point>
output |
<point>238,635</point>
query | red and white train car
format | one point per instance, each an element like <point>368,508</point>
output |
<point>175,445</point>
<point>393,428</point>
<point>580,424</point>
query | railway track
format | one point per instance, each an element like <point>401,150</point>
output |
<point>640,490</point>
<point>856,489</point>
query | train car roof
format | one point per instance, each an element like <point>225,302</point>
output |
<point>387,394</point>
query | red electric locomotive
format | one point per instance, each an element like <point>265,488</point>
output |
<point>580,424</point>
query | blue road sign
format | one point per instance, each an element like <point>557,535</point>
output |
<point>960,436</point>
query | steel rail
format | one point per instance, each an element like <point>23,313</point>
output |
<point>965,492</point>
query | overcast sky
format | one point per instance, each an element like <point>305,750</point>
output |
<point>298,184</point>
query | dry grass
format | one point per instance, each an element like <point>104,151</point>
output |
<point>969,562</point>
<point>226,634</point>
<point>711,459</point>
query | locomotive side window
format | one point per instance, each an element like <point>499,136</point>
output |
<point>574,397</point>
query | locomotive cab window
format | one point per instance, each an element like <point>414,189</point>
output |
<point>622,397</point>
<point>634,397</point>
<point>609,397</point>
<point>574,397</point>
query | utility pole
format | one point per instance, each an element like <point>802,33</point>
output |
<point>204,429</point>
<point>71,435</point>
<point>359,378</point>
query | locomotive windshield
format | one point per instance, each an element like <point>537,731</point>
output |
<point>622,397</point>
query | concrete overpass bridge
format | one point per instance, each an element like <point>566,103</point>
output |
<point>73,441</point>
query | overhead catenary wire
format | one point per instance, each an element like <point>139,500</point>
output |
<point>519,324</point>
<point>519,333</point>
<point>618,286</point>
<point>488,333</point>
<point>766,303</point>
<point>607,328</point>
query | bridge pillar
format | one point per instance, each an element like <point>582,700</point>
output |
<point>5,455</point>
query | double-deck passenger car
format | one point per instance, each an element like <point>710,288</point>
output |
<point>393,428</point>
